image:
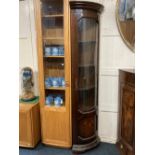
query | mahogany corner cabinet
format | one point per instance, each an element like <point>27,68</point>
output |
<point>84,74</point>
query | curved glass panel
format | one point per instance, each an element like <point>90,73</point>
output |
<point>87,55</point>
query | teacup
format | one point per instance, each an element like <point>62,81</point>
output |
<point>55,51</point>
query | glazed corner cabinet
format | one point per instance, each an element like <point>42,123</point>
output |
<point>67,43</point>
<point>126,142</point>
<point>84,69</point>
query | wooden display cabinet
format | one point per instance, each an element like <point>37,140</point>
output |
<point>84,58</point>
<point>126,142</point>
<point>29,124</point>
<point>52,25</point>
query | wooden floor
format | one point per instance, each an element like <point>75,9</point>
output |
<point>102,149</point>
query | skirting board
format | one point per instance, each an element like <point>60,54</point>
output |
<point>108,140</point>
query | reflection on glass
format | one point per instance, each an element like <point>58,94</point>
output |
<point>87,73</point>
<point>53,51</point>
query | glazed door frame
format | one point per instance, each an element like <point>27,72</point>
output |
<point>77,114</point>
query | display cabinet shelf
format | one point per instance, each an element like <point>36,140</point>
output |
<point>54,56</point>
<point>55,88</point>
<point>53,16</point>
<point>53,41</point>
<point>87,42</point>
<point>86,65</point>
<point>53,38</point>
<point>86,88</point>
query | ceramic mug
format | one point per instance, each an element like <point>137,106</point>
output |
<point>55,82</point>
<point>58,101</point>
<point>61,81</point>
<point>61,50</point>
<point>49,100</point>
<point>55,51</point>
<point>48,82</point>
<point>47,51</point>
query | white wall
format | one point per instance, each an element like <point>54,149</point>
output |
<point>27,40</point>
<point>114,54</point>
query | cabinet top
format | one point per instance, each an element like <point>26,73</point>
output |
<point>128,70</point>
<point>86,5</point>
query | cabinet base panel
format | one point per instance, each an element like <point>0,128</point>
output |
<point>85,147</point>
<point>56,144</point>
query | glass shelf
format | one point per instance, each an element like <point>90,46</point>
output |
<point>86,88</point>
<point>55,88</point>
<point>53,50</point>
<point>87,42</point>
<point>53,16</point>
<point>86,65</point>
<point>54,56</point>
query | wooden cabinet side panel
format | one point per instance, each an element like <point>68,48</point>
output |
<point>126,142</point>
<point>127,120</point>
<point>36,124</point>
<point>25,129</point>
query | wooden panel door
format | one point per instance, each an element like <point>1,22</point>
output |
<point>126,143</point>
<point>84,56</point>
<point>128,115</point>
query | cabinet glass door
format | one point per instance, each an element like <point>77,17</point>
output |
<point>87,66</point>
<point>52,12</point>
